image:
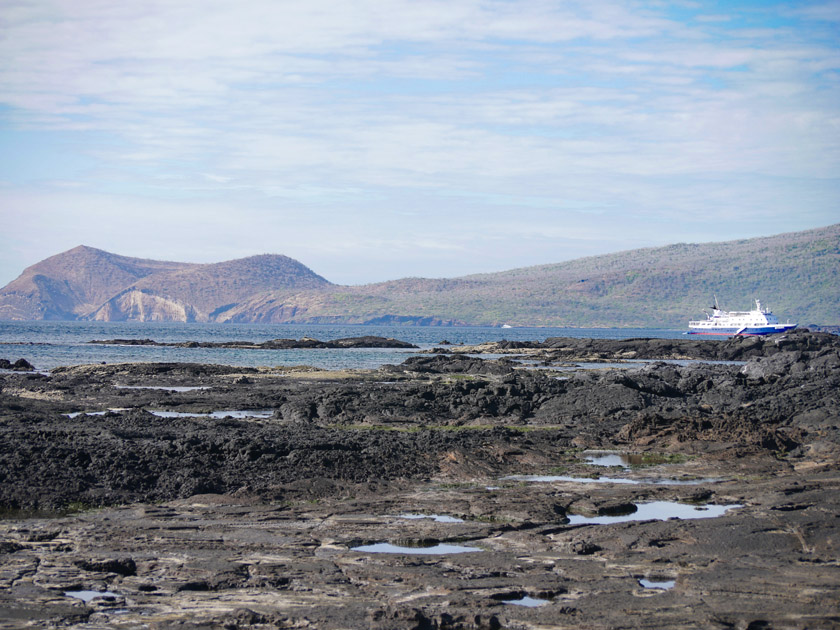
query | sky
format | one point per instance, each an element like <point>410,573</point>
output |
<point>379,139</point>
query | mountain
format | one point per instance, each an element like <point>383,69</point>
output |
<point>73,284</point>
<point>796,274</point>
<point>204,292</point>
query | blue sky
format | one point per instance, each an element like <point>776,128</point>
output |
<point>378,139</point>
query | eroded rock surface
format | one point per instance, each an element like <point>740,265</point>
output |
<point>251,520</point>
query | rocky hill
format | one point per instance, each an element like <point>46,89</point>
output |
<point>205,292</point>
<point>796,274</point>
<point>73,284</point>
<point>88,283</point>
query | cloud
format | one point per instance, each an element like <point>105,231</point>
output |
<point>458,113</point>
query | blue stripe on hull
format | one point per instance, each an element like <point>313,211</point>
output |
<point>769,330</point>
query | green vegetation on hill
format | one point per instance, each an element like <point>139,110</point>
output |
<point>795,274</point>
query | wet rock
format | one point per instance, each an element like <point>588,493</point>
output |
<point>21,365</point>
<point>617,509</point>
<point>584,548</point>
<point>731,349</point>
<point>122,566</point>
<point>702,495</point>
<point>450,364</point>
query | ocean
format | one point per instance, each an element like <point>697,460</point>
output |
<point>47,345</point>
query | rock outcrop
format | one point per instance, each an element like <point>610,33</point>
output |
<point>784,401</point>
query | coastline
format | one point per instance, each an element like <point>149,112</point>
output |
<point>239,520</point>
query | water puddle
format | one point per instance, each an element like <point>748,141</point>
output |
<point>437,518</point>
<point>612,458</point>
<point>530,602</point>
<point>163,388</point>
<point>88,596</point>
<point>216,415</point>
<point>657,511</point>
<point>618,480</point>
<point>76,414</point>
<point>433,550</point>
<point>665,585</point>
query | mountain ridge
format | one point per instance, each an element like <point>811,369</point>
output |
<point>649,287</point>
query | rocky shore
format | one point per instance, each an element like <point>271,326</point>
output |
<point>585,349</point>
<point>205,496</point>
<point>272,344</point>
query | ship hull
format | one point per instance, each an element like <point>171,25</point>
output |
<point>749,330</point>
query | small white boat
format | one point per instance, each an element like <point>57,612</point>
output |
<point>758,321</point>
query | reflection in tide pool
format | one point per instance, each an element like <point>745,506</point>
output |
<point>619,480</point>
<point>666,585</point>
<point>162,388</point>
<point>530,602</point>
<point>88,596</point>
<point>76,414</point>
<point>657,511</point>
<point>440,549</point>
<point>612,458</point>
<point>216,415</point>
<point>437,518</point>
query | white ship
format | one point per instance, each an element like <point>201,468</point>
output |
<point>755,322</point>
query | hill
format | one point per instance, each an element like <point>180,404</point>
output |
<point>204,292</point>
<point>796,274</point>
<point>74,283</point>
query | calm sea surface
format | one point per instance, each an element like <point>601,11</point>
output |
<point>50,344</point>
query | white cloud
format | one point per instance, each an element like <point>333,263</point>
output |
<point>399,113</point>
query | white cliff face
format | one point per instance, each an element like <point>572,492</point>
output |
<point>135,305</point>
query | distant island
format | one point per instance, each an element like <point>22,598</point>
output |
<point>796,274</point>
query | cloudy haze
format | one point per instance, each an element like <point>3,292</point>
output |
<point>378,139</point>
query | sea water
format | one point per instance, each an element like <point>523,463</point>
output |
<point>50,344</point>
